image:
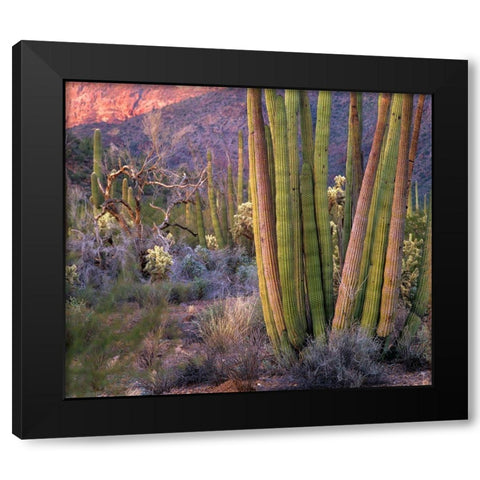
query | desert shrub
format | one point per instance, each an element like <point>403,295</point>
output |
<point>350,359</point>
<point>158,263</point>
<point>415,352</point>
<point>71,275</point>
<point>192,267</point>
<point>161,379</point>
<point>234,341</point>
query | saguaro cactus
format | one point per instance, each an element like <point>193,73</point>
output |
<point>240,169</point>
<point>393,261</point>
<point>212,204</point>
<point>347,291</point>
<point>296,326</point>
<point>292,106</point>
<point>96,202</point>
<point>200,225</point>
<point>320,174</point>
<point>271,165</point>
<point>313,269</point>
<point>97,154</point>
<point>371,305</point>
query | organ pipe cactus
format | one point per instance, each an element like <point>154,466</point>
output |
<point>96,202</point>
<point>353,168</point>
<point>125,190</point>
<point>296,325</point>
<point>313,269</point>
<point>393,262</point>
<point>97,154</point>
<point>292,106</point>
<point>264,223</point>
<point>386,181</point>
<point>306,128</point>
<point>271,166</point>
<point>349,284</point>
<point>320,174</point>
<point>212,204</point>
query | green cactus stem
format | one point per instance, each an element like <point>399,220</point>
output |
<point>393,261</point>
<point>313,269</point>
<point>348,289</point>
<point>212,204</point>
<point>200,225</point>
<point>386,181</point>
<point>240,169</point>
<point>320,175</point>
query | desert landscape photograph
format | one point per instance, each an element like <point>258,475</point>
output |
<point>223,240</point>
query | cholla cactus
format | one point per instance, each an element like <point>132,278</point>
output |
<point>412,254</point>
<point>243,222</point>
<point>158,262</point>
<point>211,241</point>
<point>336,199</point>
<point>107,224</point>
<point>71,275</point>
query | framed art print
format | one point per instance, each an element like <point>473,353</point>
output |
<point>213,239</point>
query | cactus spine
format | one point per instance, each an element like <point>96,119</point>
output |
<point>264,223</point>
<point>386,181</point>
<point>200,225</point>
<point>320,174</point>
<point>212,204</point>
<point>393,260</point>
<point>313,269</point>
<point>347,291</point>
<point>292,106</point>
<point>240,169</point>
<point>296,325</point>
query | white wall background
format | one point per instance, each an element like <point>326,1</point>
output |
<point>408,28</point>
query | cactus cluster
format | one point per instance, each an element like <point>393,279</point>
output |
<point>295,213</point>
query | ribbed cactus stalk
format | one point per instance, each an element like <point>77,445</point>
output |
<point>296,325</point>
<point>199,217</point>
<point>292,107</point>
<point>271,165</point>
<point>425,203</point>
<point>409,202</point>
<point>221,200</point>
<point>97,168</point>
<point>373,291</point>
<point>367,247</point>
<point>348,288</point>
<point>125,190</point>
<point>416,196</point>
<point>212,204</point>
<point>424,287</point>
<point>270,102</point>
<point>393,261</point>
<point>264,221</point>
<point>95,198</point>
<point>320,175</point>
<point>131,199</point>
<point>417,122</point>
<point>240,169</point>
<point>230,199</point>
<point>188,215</point>
<point>353,169</point>
<point>97,154</point>
<point>313,269</point>
<point>306,128</point>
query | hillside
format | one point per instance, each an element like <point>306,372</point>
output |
<point>211,121</point>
